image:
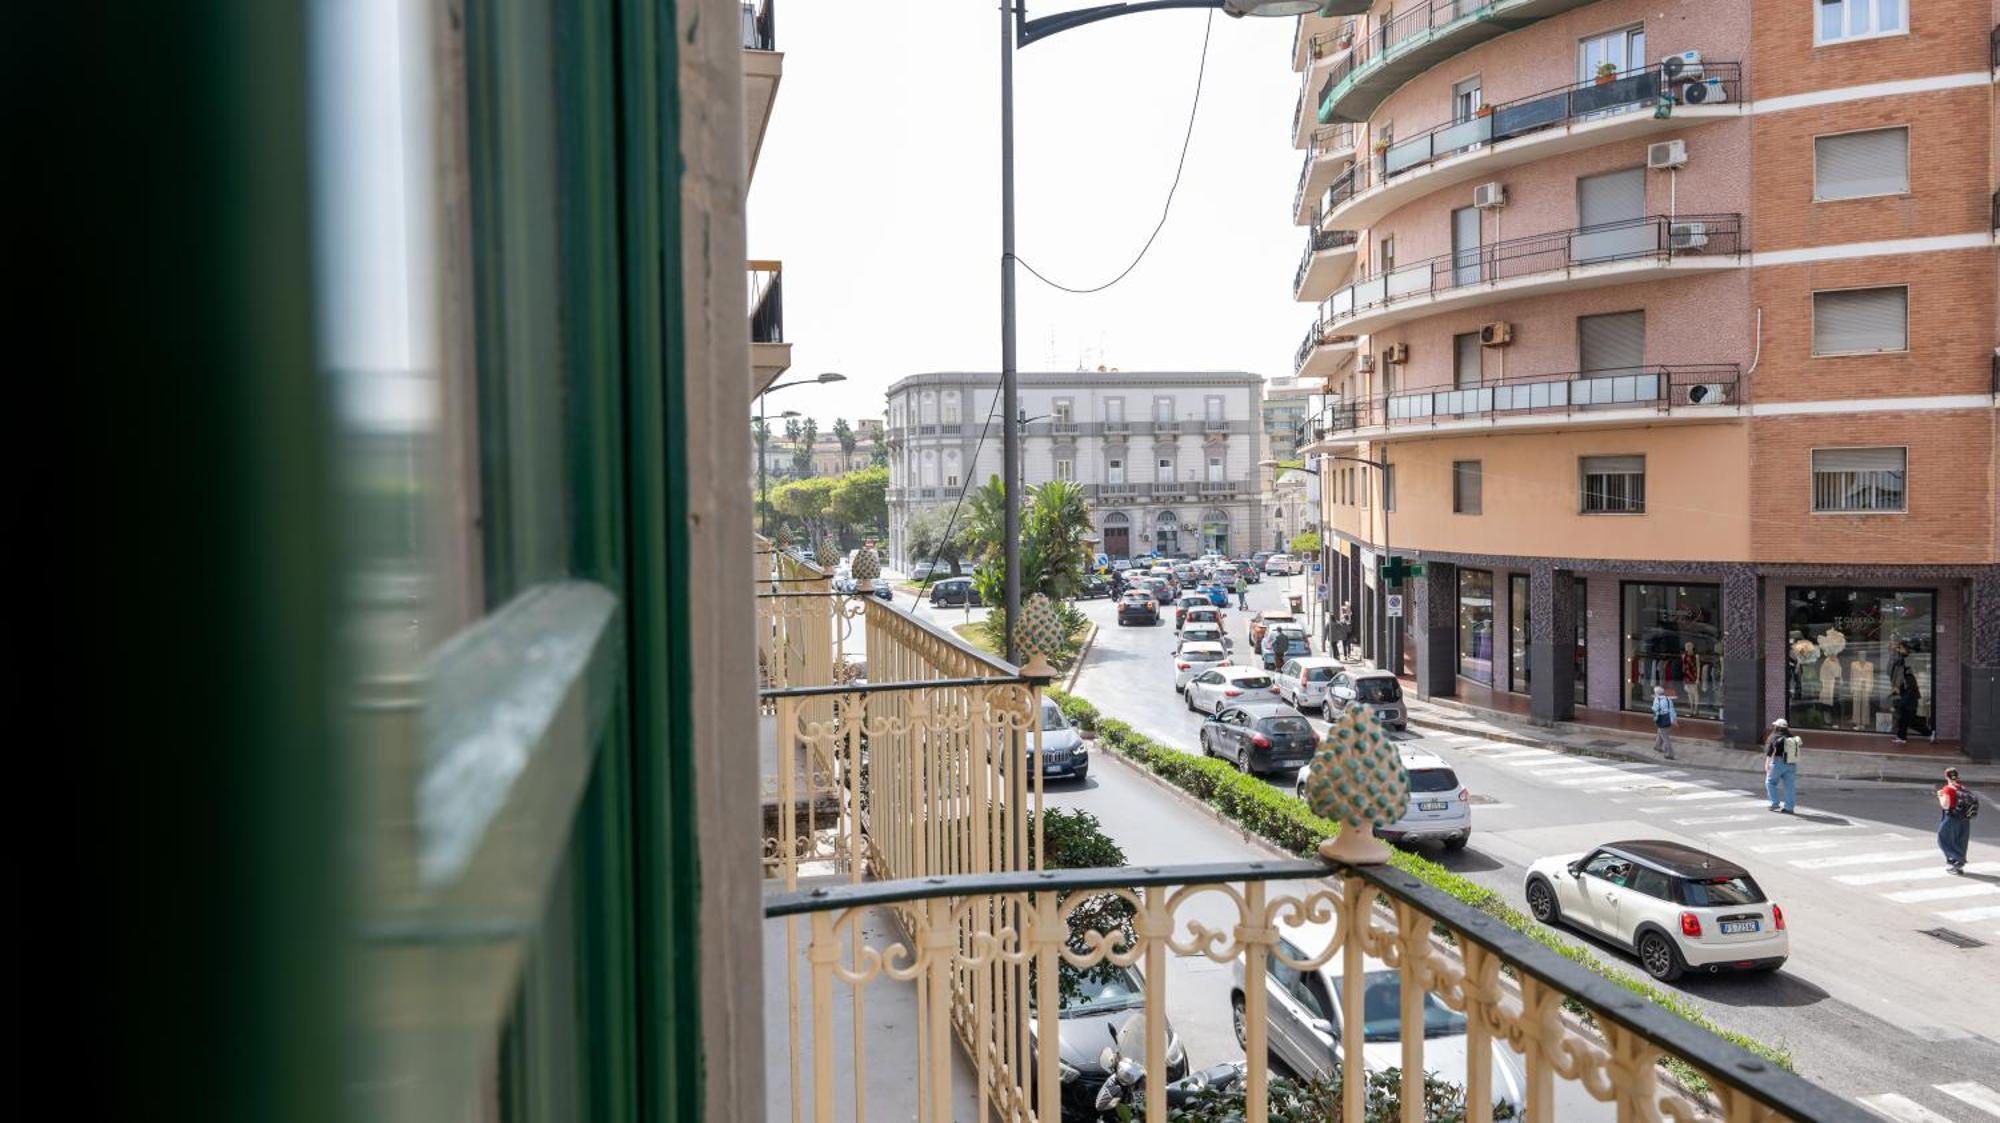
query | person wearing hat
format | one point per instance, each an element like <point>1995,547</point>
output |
<point>1781,767</point>
<point>1664,720</point>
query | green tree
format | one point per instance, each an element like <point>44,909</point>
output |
<point>806,502</point>
<point>1054,522</point>
<point>802,452</point>
<point>930,534</point>
<point>844,433</point>
<point>985,515</point>
<point>1077,841</point>
<point>878,455</point>
<point>860,499</point>
<point>1306,545</point>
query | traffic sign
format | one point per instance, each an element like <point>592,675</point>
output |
<point>1395,604</point>
<point>1316,567</point>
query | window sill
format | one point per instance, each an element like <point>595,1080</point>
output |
<point>1860,354</point>
<point>1903,511</point>
<point>1864,198</point>
<point>1844,40</point>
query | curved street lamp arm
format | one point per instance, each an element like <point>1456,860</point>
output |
<point>1030,30</point>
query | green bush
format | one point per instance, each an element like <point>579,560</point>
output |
<point>1289,824</point>
<point>1318,1100</point>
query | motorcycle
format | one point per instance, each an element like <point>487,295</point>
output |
<point>1125,1060</point>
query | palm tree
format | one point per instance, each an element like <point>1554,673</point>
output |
<point>844,433</point>
<point>802,452</point>
<point>1054,552</point>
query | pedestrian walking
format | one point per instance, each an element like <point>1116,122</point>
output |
<point>1907,696</point>
<point>1956,806</point>
<point>1242,593</point>
<point>1343,630</point>
<point>1664,720</point>
<point>1781,767</point>
<point>1279,643</point>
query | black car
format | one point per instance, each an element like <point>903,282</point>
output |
<point>1137,607</point>
<point>1260,737</point>
<point>1090,1003</point>
<point>955,590</point>
<point>1093,587</point>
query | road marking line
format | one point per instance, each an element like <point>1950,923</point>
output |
<point>1717,819</point>
<point>1928,873</point>
<point>1523,754</point>
<point>1711,794</point>
<point>1989,912</point>
<point>1791,847</point>
<point>1913,896</point>
<point>1551,767</point>
<point>1889,1105</point>
<point>1800,828</point>
<point>1974,1093</point>
<point>1864,859</point>
<point>1658,779</point>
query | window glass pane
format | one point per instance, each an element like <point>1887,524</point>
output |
<point>1652,883</point>
<point>1859,320</point>
<point>1832,19</point>
<point>1466,487</point>
<point>1858,479</point>
<point>1847,653</point>
<point>1582,694</point>
<point>1465,352</point>
<point>1855,164</point>
<point>1475,625</point>
<point>1673,640</point>
<point>1517,633</point>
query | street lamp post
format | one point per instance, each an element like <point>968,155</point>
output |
<point>763,483</point>
<point>1016,31</point>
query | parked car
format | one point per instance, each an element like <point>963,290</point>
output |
<point>1121,564</point>
<point>1304,1012</point>
<point>1213,689</point>
<point>1440,806</point>
<point>1137,606</point>
<point>1091,1002</point>
<point>953,591</point>
<point>1264,620</point>
<point>1203,613</point>
<point>1065,754</point>
<point>1217,593</point>
<point>1676,907</point>
<point>1251,573</point>
<point>1304,680</point>
<point>922,569</point>
<point>1185,602</point>
<point>1297,642</point>
<point>1260,737</point>
<point>1378,690</point>
<point>1093,587</point>
<point>1191,659</point>
<point>1206,633</point>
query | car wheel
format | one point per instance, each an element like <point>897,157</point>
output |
<point>1189,696</point>
<point>1660,957</point>
<point>1542,902</point>
<point>1242,759</point>
<point>1205,751</point>
<point>1239,1017</point>
<point>1457,842</point>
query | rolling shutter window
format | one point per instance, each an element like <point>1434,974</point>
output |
<point>1611,342</point>
<point>1858,479</point>
<point>1860,320</point>
<point>1465,360</point>
<point>1613,197</point>
<point>1853,165</point>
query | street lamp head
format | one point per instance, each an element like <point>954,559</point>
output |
<point>1270,7</point>
<point>790,413</point>
<point>831,376</point>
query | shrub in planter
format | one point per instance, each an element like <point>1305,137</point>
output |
<point>1318,1100</point>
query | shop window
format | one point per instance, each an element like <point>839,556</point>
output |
<point>1861,321</point>
<point>1466,487</point>
<point>1847,652</point>
<point>1614,485</point>
<point>1517,633</point>
<point>1673,640</point>
<point>1841,20</point>
<point>1475,625</point>
<point>1859,479</point>
<point>1857,165</point>
<point>1580,591</point>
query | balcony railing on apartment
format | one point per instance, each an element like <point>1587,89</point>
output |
<point>767,302</point>
<point>1319,241</point>
<point>1634,239</point>
<point>1313,337</point>
<point>1331,139</point>
<point>1571,392</point>
<point>760,25</point>
<point>1385,36</point>
<point>1629,92</point>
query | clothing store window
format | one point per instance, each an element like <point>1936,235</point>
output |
<point>1579,590</point>
<point>1673,639</point>
<point>1847,650</point>
<point>1475,625</point>
<point>1517,633</point>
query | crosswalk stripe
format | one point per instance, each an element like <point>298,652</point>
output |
<point>1947,893</point>
<point>1902,1109</point>
<point>1657,780</point>
<point>1927,873</point>
<point>1797,828</point>
<point>1714,819</point>
<point>1522,754</point>
<point>1564,769</point>
<point>1863,859</point>
<point>1693,796</point>
<point>1974,1093</point>
<point>1966,916</point>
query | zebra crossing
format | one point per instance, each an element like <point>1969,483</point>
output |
<point>1900,867</point>
<point>1957,1095</point>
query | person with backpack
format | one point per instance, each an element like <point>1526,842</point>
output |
<point>1664,720</point>
<point>1781,767</point>
<point>1956,807</point>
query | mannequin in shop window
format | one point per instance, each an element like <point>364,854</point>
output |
<point>1861,687</point>
<point>1691,674</point>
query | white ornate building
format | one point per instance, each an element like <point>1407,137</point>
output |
<point>1168,459</point>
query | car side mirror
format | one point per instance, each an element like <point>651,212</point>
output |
<point>1576,869</point>
<point>1325,1029</point>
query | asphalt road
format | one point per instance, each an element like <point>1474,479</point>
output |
<point>1869,1005</point>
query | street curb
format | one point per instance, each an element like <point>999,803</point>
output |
<point>1188,798</point>
<point>1082,653</point>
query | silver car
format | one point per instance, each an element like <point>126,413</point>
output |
<point>1377,690</point>
<point>1304,1025</point>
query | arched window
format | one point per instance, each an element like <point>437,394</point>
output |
<point>1167,533</point>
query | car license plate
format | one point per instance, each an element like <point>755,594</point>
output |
<point>1434,805</point>
<point>1740,926</point>
<point>1385,715</point>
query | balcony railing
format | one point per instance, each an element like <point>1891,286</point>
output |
<point>1319,241</point>
<point>1160,426</point>
<point>760,26</point>
<point>1636,239</point>
<point>1403,25</point>
<point>927,997</point>
<point>1573,392</point>
<point>1064,428</point>
<point>1215,424</point>
<point>767,302</point>
<point>1313,336</point>
<point>1324,141</point>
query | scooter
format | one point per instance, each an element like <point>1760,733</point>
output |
<point>1125,1060</point>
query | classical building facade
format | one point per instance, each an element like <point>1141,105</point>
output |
<point>1675,331</point>
<point>1167,459</point>
<point>1291,501</point>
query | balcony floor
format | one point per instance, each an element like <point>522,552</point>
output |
<point>1581,420</point>
<point>1574,278</point>
<point>1325,272</point>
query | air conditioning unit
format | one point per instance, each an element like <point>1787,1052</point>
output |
<point>1365,364</point>
<point>1667,154</point>
<point>1683,67</point>
<point>1708,394</point>
<point>1708,91</point>
<point>1499,333</point>
<point>1687,235</point>
<point>1397,353</point>
<point>1489,195</point>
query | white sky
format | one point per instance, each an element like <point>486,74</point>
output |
<point>878,187</point>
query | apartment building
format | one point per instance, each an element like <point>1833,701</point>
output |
<point>1664,335</point>
<point>1168,459</point>
<point>1290,500</point>
<point>763,70</point>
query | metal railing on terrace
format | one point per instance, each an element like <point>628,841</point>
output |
<point>962,980</point>
<point>1568,392</point>
<point>1313,336</point>
<point>1331,139</point>
<point>1634,239</point>
<point>767,302</point>
<point>1384,37</point>
<point>1319,241</point>
<point>760,26</point>
<point>1629,92</point>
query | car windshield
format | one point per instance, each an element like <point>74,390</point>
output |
<point>1052,718</point>
<point>1378,690</point>
<point>1318,674</point>
<point>1287,726</point>
<point>1708,891</point>
<point>1382,1010</point>
<point>1202,653</point>
<point>1093,990</point>
<point>1433,780</point>
<point>1205,633</point>
<point>1251,682</point>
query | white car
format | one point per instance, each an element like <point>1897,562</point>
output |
<point>1206,633</point>
<point>1194,658</point>
<point>1280,565</point>
<point>1440,807</point>
<point>1304,681</point>
<point>1217,687</point>
<point>1304,1012</point>
<point>1679,909</point>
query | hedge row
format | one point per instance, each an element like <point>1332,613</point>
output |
<point>1287,823</point>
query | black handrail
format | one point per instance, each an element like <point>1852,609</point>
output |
<point>1318,241</point>
<point>1404,25</point>
<point>760,25</point>
<point>1660,385</point>
<point>1324,140</point>
<point>767,306</point>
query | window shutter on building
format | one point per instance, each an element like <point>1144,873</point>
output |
<point>1465,360</point>
<point>1852,165</point>
<point>1612,197</point>
<point>1860,320</point>
<point>1858,459</point>
<point>1611,342</point>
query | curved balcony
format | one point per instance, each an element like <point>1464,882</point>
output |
<point>1510,133</point>
<point>1608,253</point>
<point>1322,352</point>
<point>1566,400</point>
<point>1414,41</point>
<point>1332,150</point>
<point>1329,257</point>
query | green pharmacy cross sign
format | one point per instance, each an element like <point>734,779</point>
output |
<point>1396,569</point>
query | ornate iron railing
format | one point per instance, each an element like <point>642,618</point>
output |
<point>1660,387</point>
<point>954,984</point>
